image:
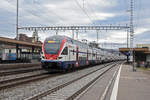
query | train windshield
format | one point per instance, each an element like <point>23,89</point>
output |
<point>52,46</point>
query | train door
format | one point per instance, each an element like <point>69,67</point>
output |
<point>69,53</point>
<point>65,54</point>
<point>77,56</point>
<point>87,58</point>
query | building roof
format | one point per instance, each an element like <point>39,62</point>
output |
<point>135,49</point>
<point>23,43</point>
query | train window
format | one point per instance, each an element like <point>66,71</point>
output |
<point>52,47</point>
<point>65,51</point>
<point>94,54</point>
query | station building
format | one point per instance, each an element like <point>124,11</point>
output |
<point>146,53</point>
<point>141,52</point>
<point>24,49</point>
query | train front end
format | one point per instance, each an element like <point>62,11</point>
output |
<point>51,56</point>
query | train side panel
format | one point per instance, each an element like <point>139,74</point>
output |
<point>72,54</point>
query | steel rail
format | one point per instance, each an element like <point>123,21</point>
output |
<point>40,95</point>
<point>19,71</point>
<point>23,80</point>
<point>89,84</point>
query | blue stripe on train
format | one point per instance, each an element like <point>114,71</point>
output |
<point>64,64</point>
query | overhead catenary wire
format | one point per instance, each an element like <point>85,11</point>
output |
<point>39,8</point>
<point>60,18</point>
<point>84,11</point>
<point>138,12</point>
<point>92,10</point>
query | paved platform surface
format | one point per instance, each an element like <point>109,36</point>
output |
<point>97,90</point>
<point>134,85</point>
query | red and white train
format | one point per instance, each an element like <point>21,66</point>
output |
<point>63,53</point>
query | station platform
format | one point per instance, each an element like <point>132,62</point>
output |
<point>133,85</point>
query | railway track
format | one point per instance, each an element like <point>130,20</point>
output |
<point>14,71</point>
<point>23,80</point>
<point>107,88</point>
<point>19,71</point>
<point>71,89</point>
<point>17,66</point>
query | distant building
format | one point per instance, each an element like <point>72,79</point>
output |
<point>33,39</point>
<point>143,46</point>
<point>24,37</point>
<point>27,47</point>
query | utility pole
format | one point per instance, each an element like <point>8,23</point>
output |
<point>17,36</point>
<point>97,31</point>
<point>56,32</point>
<point>127,38</point>
<point>127,45</point>
<point>132,35</point>
<point>77,32</point>
<point>73,34</point>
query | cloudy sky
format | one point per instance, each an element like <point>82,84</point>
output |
<point>71,12</point>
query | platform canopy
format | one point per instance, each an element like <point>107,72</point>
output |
<point>140,53</point>
<point>142,50</point>
<point>22,43</point>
